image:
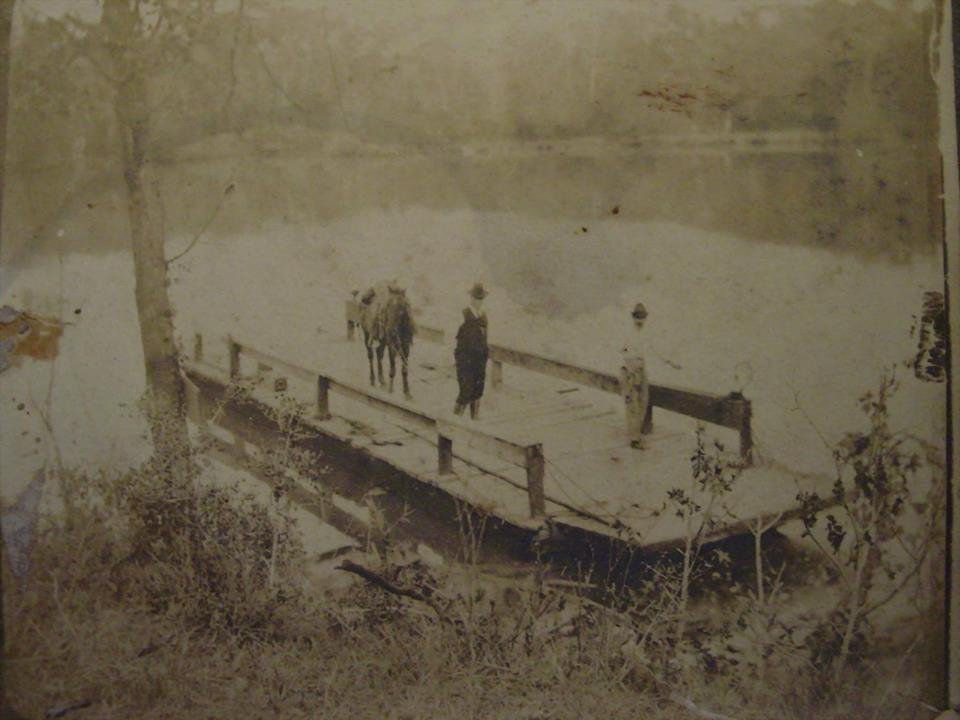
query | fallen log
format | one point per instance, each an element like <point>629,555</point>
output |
<point>381,582</point>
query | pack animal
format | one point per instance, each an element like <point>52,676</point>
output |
<point>386,319</point>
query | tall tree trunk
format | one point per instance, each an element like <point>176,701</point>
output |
<point>167,417</point>
<point>6,28</point>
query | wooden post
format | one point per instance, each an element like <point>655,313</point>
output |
<point>198,347</point>
<point>635,423</point>
<point>496,374</point>
<point>323,398</point>
<point>444,455</point>
<point>746,433</point>
<point>535,467</point>
<point>234,358</point>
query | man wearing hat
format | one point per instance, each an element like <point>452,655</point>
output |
<point>471,354</point>
<point>634,384</point>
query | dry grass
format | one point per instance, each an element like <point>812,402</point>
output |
<point>152,597</point>
<point>135,635</point>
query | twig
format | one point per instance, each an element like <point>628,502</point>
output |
<point>919,701</point>
<point>909,651</point>
<point>877,604</point>
<point>806,416</point>
<point>233,57</point>
<point>384,584</point>
<point>208,223</point>
<point>333,68</point>
<point>266,67</point>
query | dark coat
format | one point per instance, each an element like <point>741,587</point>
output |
<point>471,356</point>
<point>472,335</point>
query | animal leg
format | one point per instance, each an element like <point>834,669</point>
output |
<point>393,364</point>
<point>373,380</point>
<point>380,363</point>
<point>404,365</point>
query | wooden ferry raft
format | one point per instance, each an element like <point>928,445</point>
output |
<point>551,445</point>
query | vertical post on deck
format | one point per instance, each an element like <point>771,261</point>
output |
<point>496,374</point>
<point>746,433</point>
<point>648,418</point>
<point>323,398</point>
<point>198,347</point>
<point>535,468</point>
<point>444,455</point>
<point>234,358</point>
<point>636,425</point>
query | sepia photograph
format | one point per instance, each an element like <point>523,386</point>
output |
<point>447,359</point>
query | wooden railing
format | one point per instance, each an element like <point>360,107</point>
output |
<point>526,455</point>
<point>731,411</point>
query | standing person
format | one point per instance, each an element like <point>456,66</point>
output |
<point>634,384</point>
<point>471,354</point>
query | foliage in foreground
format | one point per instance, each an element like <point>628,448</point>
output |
<point>161,597</point>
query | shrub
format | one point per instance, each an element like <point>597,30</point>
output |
<point>211,554</point>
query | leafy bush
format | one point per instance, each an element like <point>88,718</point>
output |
<point>166,596</point>
<point>210,554</point>
<point>888,495</point>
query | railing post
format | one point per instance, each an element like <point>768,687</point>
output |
<point>746,433</point>
<point>637,425</point>
<point>496,374</point>
<point>323,398</point>
<point>444,455</point>
<point>535,468</point>
<point>234,358</point>
<point>198,347</point>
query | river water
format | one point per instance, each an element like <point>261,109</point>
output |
<point>756,278</point>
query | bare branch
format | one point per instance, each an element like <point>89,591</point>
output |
<point>86,48</point>
<point>266,66</point>
<point>333,68</point>
<point>384,584</point>
<point>877,604</point>
<point>207,224</point>
<point>238,25</point>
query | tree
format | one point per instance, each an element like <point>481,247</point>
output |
<point>6,26</point>
<point>133,40</point>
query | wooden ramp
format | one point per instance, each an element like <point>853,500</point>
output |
<point>591,478</point>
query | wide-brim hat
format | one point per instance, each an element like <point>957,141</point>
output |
<point>478,292</point>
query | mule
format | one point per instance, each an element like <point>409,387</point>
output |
<point>386,319</point>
